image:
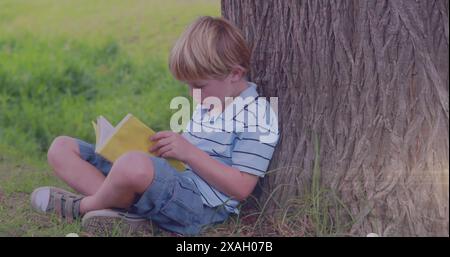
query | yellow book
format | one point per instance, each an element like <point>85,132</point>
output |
<point>129,135</point>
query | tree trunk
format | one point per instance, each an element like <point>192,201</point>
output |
<point>371,80</point>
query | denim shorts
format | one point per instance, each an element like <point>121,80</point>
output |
<point>172,200</point>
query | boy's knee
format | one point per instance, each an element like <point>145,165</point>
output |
<point>136,168</point>
<point>60,146</point>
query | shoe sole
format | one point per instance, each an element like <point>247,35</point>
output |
<point>109,222</point>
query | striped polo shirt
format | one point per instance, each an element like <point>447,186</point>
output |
<point>243,136</point>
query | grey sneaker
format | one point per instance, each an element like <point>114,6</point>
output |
<point>56,200</point>
<point>109,222</point>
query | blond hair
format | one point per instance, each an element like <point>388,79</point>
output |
<point>208,49</point>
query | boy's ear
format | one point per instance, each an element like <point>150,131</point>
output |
<point>237,73</point>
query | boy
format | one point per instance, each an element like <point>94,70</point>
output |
<point>223,164</point>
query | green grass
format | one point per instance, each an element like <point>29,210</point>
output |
<point>63,63</point>
<point>311,215</point>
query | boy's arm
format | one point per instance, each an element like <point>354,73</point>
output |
<point>239,185</point>
<point>229,180</point>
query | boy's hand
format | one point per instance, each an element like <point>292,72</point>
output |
<point>171,144</point>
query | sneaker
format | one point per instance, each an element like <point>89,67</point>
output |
<point>56,200</point>
<point>108,222</point>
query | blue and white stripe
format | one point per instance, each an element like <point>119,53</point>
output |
<point>234,139</point>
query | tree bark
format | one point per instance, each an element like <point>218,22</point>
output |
<point>371,80</point>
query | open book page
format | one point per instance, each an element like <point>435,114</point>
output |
<point>130,134</point>
<point>104,130</point>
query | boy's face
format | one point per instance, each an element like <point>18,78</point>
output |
<point>211,88</point>
<point>230,86</point>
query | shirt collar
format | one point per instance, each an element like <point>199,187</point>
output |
<point>232,110</point>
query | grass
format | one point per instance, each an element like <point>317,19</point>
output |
<point>311,215</point>
<point>63,63</point>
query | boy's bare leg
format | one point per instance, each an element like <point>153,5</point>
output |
<point>64,157</point>
<point>129,177</point>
